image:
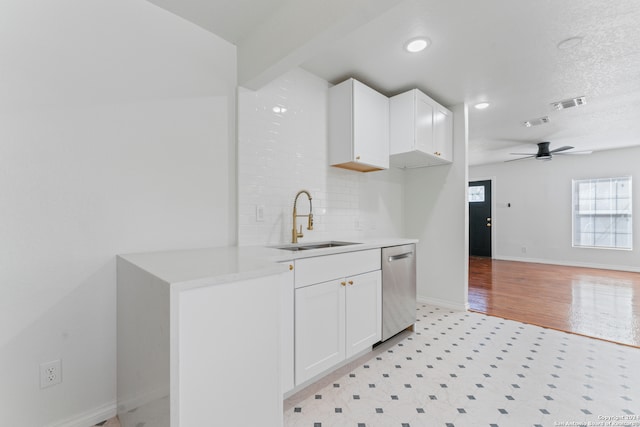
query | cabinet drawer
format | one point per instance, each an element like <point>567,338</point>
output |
<point>329,267</point>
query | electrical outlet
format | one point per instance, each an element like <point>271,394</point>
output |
<point>524,249</point>
<point>50,373</point>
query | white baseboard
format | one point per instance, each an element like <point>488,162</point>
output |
<point>632,269</point>
<point>89,418</point>
<point>443,303</point>
<point>142,399</point>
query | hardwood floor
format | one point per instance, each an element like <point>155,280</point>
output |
<point>603,304</point>
<point>111,422</point>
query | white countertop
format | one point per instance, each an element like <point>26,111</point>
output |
<point>211,266</point>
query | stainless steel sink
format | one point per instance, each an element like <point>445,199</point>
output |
<point>313,245</point>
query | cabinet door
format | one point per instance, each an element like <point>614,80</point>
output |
<point>287,329</point>
<point>443,133</point>
<point>424,124</point>
<point>216,373</point>
<point>421,136</point>
<point>363,312</point>
<point>319,328</point>
<point>370,126</point>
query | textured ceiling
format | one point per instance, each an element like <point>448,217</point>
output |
<point>502,51</point>
<point>505,52</point>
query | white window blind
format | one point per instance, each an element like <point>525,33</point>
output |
<point>602,213</point>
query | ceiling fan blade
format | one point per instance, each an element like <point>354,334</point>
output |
<point>520,158</point>
<point>577,152</point>
<point>523,154</point>
<point>565,148</point>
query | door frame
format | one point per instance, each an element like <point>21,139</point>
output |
<point>494,223</point>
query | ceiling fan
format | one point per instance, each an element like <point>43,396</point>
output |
<point>545,154</point>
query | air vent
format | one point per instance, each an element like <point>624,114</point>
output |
<point>568,103</point>
<point>536,122</point>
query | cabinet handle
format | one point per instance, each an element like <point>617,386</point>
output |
<point>343,283</point>
<point>290,267</point>
<point>437,153</point>
<point>351,282</point>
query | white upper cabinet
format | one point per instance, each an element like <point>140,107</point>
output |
<point>443,133</point>
<point>358,127</point>
<point>421,131</point>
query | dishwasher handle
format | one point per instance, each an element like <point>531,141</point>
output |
<point>401,256</point>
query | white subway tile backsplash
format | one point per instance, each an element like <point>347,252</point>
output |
<point>283,148</point>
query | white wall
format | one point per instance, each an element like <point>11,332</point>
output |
<point>282,153</point>
<point>539,218</point>
<point>116,135</point>
<point>436,212</point>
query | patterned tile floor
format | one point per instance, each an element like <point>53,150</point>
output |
<point>463,369</point>
<point>469,369</point>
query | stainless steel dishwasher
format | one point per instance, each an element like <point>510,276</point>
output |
<point>398,289</point>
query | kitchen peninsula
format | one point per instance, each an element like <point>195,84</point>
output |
<point>205,333</point>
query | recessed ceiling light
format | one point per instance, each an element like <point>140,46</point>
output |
<point>416,45</point>
<point>482,105</point>
<point>570,43</point>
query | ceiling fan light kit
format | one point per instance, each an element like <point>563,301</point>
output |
<point>544,153</point>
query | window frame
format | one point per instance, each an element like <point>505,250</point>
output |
<point>469,194</point>
<point>574,212</point>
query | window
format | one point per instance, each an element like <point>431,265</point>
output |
<point>602,213</point>
<point>476,193</point>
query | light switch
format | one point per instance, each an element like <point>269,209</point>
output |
<point>259,213</point>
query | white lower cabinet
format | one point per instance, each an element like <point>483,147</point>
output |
<point>194,354</point>
<point>334,321</point>
<point>287,327</point>
<point>363,312</point>
<point>320,332</point>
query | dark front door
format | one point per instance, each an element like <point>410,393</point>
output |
<point>480,218</point>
